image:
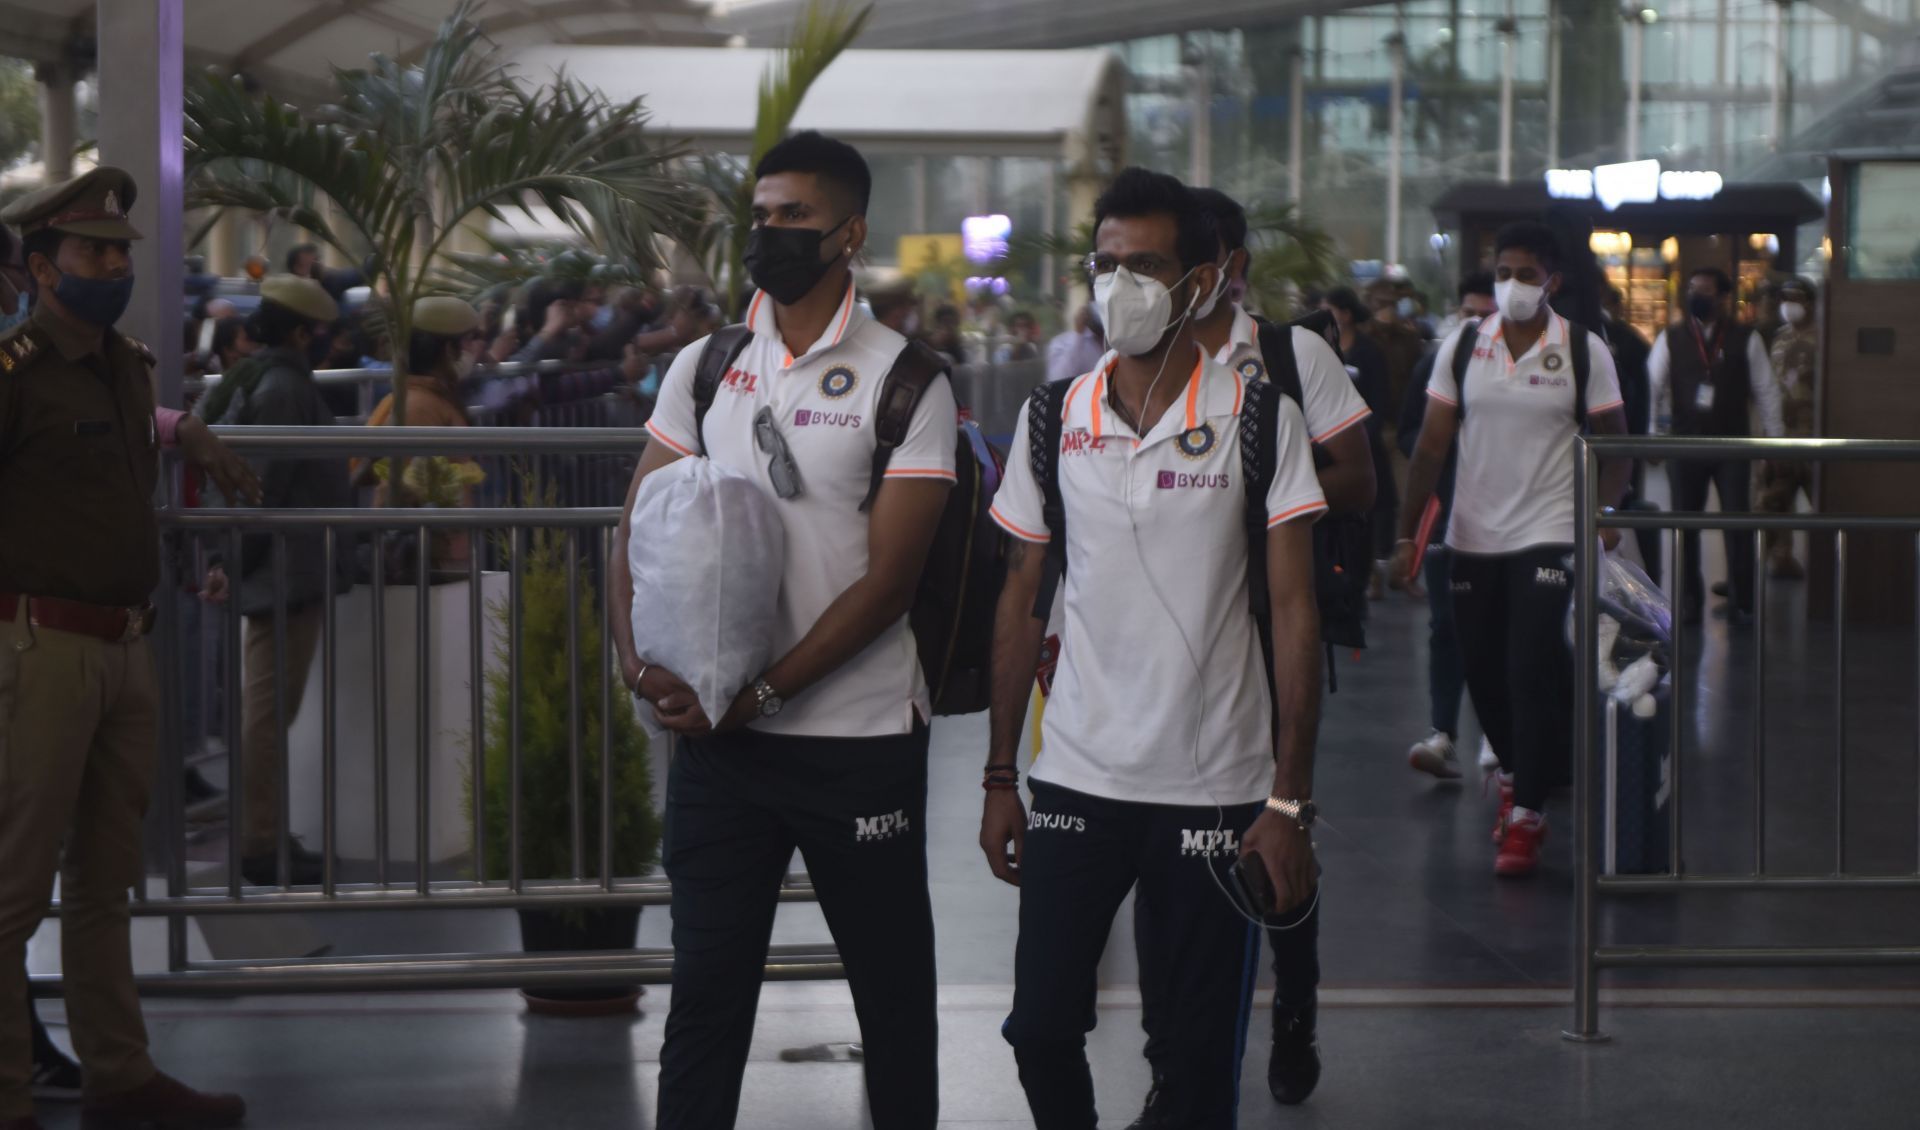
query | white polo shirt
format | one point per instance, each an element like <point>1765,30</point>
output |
<point>1329,402</point>
<point>823,403</point>
<point>1150,521</point>
<point>1514,486</point>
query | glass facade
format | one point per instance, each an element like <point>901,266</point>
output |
<point>1709,72</point>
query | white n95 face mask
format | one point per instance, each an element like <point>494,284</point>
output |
<point>1136,311</point>
<point>1212,300</point>
<point>1518,301</point>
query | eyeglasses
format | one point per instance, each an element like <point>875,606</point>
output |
<point>1144,263</point>
<point>782,468</point>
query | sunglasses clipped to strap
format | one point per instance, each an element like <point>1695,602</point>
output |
<point>781,466</point>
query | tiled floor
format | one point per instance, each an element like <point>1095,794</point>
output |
<point>1446,989</point>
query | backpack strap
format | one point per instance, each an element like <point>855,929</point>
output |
<point>1045,421</point>
<point>1283,367</point>
<point>1579,344</point>
<point>914,370</point>
<point>1463,357</point>
<point>1258,464</point>
<point>723,348</point>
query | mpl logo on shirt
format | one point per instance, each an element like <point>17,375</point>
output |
<point>1209,843</point>
<point>866,829</point>
<point>1556,578</point>
<point>1080,441</point>
<point>814,417</point>
<point>1175,480</point>
<point>740,382</point>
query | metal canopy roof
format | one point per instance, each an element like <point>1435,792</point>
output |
<point>292,45</point>
<point>978,102</point>
<point>1025,23</point>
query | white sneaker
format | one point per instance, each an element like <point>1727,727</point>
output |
<point>1489,761</point>
<point>1434,755</point>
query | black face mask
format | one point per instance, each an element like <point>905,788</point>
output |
<point>98,302</point>
<point>1702,307</point>
<point>785,262</point>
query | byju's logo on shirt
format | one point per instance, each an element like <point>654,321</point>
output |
<point>1174,480</point>
<point>1210,843</point>
<point>1056,821</point>
<point>1548,382</point>
<point>866,829</point>
<point>813,417</point>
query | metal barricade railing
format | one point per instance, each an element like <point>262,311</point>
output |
<point>1590,956</point>
<point>591,883</point>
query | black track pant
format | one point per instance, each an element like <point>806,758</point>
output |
<point>737,807</point>
<point>1082,855</point>
<point>1732,479</point>
<point>1510,614</point>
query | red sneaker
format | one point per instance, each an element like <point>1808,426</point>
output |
<point>1506,806</point>
<point>1520,849</point>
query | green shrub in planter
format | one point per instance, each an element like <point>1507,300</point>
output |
<point>546,781</point>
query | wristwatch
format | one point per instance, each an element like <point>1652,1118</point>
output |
<point>1301,812</point>
<point>767,698</point>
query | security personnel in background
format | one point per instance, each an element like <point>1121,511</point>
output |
<point>279,390</point>
<point>79,703</point>
<point>1796,359</point>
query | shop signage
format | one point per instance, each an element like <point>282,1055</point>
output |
<point>1632,182</point>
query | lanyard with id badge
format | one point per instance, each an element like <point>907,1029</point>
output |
<point>1703,396</point>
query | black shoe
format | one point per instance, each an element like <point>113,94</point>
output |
<point>1293,1070</point>
<point>56,1079</point>
<point>198,790</point>
<point>303,867</point>
<point>1157,1114</point>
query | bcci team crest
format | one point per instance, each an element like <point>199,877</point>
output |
<point>1252,370</point>
<point>1552,362</point>
<point>1196,443</point>
<point>837,382</point>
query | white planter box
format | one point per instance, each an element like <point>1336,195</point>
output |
<point>450,721</point>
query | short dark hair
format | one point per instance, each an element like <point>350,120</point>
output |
<point>1229,218</point>
<point>1142,192</point>
<point>1721,283</point>
<point>293,256</point>
<point>838,165</point>
<point>424,351</point>
<point>226,331</point>
<point>1476,282</point>
<point>45,242</point>
<point>1533,237</point>
<point>1343,298</point>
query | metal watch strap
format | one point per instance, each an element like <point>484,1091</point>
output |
<point>1293,810</point>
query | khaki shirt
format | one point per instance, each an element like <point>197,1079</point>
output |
<point>79,460</point>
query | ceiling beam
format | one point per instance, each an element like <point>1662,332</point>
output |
<point>296,29</point>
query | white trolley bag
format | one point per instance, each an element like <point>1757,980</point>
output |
<point>706,553</point>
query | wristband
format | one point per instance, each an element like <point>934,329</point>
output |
<point>640,678</point>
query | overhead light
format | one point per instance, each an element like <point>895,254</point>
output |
<point>1670,250</point>
<point>1649,17</point>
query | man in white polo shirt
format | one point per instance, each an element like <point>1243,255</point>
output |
<point>827,750</point>
<point>1511,530</point>
<point>1161,760</point>
<point>1333,413</point>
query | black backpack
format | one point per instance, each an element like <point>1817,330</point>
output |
<point>1342,543</point>
<point>1577,344</point>
<point>953,610</point>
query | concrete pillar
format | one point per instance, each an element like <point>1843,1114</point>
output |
<point>1049,217</point>
<point>1200,136</point>
<point>227,250</point>
<point>1396,128</point>
<point>1553,84</point>
<point>58,135</point>
<point>1636,51</point>
<point>1777,120</point>
<point>140,68</point>
<point>1509,32</point>
<point>1297,127</point>
<point>1717,106</point>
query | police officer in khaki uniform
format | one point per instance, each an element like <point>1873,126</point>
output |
<point>79,706</point>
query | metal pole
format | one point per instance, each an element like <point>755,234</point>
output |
<point>329,737</point>
<point>1553,84</point>
<point>576,795</point>
<point>1297,127</point>
<point>1586,992</point>
<point>1777,106</point>
<point>1676,709</point>
<point>283,862</point>
<point>476,704</point>
<point>1916,685</point>
<point>1760,710</point>
<point>423,719</point>
<point>1397,50</point>
<point>1840,703</point>
<point>379,711</point>
<point>1049,218</point>
<point>515,587</point>
<point>1717,108</point>
<point>236,736</point>
<point>1636,45</point>
<point>607,661</point>
<point>1200,139</point>
<point>1508,30</point>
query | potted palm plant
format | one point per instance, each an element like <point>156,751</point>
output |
<point>411,153</point>
<point>546,772</point>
